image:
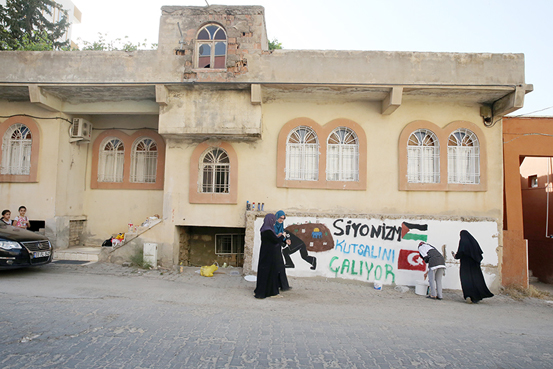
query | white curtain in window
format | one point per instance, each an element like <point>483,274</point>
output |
<point>342,158</point>
<point>302,155</point>
<point>144,161</point>
<point>16,150</point>
<point>423,157</point>
<point>112,157</point>
<point>463,157</point>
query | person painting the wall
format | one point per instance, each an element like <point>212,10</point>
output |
<point>472,279</point>
<point>436,269</point>
<point>270,267</point>
<point>21,221</point>
<point>292,244</point>
<point>6,214</point>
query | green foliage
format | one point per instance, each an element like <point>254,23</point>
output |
<point>274,44</point>
<point>103,44</point>
<point>23,26</point>
<point>137,260</point>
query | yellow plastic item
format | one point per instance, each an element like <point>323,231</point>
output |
<point>207,271</point>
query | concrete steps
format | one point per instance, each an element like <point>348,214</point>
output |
<point>82,253</point>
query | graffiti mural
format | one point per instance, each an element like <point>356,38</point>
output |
<point>377,250</point>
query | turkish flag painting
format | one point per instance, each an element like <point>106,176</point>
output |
<point>410,260</point>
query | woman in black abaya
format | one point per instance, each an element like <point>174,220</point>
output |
<point>269,278</point>
<point>472,279</point>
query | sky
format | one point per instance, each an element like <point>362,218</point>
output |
<point>490,26</point>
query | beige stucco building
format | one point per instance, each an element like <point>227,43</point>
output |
<point>212,120</point>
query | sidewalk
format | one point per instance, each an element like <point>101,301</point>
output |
<point>103,316</point>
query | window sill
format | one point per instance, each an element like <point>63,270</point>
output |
<point>17,178</point>
<point>327,185</point>
<point>209,70</point>
<point>213,198</point>
<point>125,186</point>
<point>444,187</point>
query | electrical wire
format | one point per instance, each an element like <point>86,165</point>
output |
<point>532,112</point>
<point>526,134</point>
<point>34,117</point>
<point>67,120</point>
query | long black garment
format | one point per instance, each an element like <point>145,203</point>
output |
<point>472,279</point>
<point>270,271</point>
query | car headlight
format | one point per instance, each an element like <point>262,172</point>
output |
<point>9,245</point>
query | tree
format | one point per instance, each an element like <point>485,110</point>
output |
<point>24,26</point>
<point>274,44</point>
<point>104,44</point>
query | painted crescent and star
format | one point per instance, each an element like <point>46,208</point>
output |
<point>411,259</point>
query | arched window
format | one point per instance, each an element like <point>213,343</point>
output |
<point>144,161</point>
<point>16,150</point>
<point>112,160</point>
<point>215,171</point>
<point>211,47</point>
<point>302,155</point>
<point>463,157</point>
<point>342,155</point>
<point>423,157</point>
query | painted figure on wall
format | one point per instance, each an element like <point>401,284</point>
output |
<point>292,244</point>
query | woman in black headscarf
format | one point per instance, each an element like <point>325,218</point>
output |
<point>269,278</point>
<point>472,279</point>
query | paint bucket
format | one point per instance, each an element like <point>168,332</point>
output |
<point>421,287</point>
<point>378,286</point>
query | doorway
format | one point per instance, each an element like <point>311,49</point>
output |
<point>536,175</point>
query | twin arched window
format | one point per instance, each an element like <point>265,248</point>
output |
<point>463,157</point>
<point>16,150</point>
<point>211,47</point>
<point>143,160</point>
<point>302,155</point>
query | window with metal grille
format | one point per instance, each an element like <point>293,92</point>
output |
<point>302,155</point>
<point>463,157</point>
<point>211,47</point>
<point>229,244</point>
<point>16,150</point>
<point>342,155</point>
<point>215,171</point>
<point>144,161</point>
<point>423,157</point>
<point>111,162</point>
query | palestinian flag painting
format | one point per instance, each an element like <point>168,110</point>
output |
<point>416,232</point>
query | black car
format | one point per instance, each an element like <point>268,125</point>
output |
<point>22,248</point>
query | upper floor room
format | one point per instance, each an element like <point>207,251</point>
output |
<point>225,48</point>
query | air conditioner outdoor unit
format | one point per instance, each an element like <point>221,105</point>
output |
<point>81,130</point>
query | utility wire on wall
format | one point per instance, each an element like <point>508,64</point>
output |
<point>68,120</point>
<point>34,117</point>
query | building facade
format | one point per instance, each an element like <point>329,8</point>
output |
<point>360,148</point>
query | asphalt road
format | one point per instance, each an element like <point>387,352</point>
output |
<point>107,316</point>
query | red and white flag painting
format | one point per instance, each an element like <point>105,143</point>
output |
<point>410,260</point>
